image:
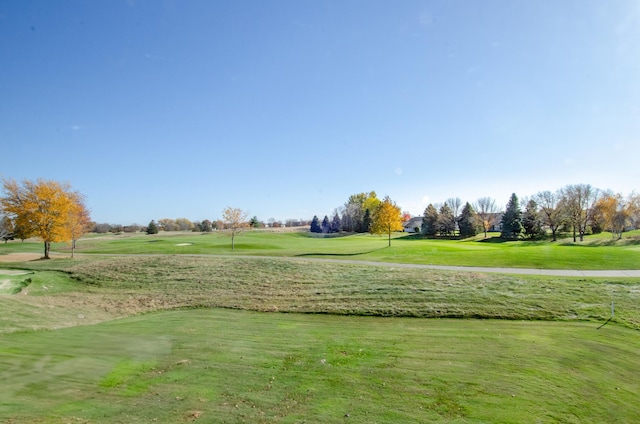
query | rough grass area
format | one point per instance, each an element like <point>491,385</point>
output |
<point>217,366</point>
<point>126,285</point>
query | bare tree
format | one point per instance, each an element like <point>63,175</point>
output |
<point>553,209</point>
<point>580,200</point>
<point>486,210</point>
<point>6,228</point>
<point>235,220</point>
<point>454,204</point>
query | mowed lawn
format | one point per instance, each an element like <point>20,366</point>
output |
<point>180,338</point>
<point>213,365</point>
<point>596,252</point>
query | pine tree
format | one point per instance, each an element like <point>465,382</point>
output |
<point>512,219</point>
<point>334,227</point>
<point>366,221</point>
<point>532,221</point>
<point>430,221</point>
<point>468,223</point>
<point>315,225</point>
<point>446,221</point>
<point>326,227</point>
<point>152,228</point>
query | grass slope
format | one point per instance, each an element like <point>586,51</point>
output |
<point>126,285</point>
<point>238,366</point>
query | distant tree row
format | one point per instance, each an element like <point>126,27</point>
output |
<point>354,217</point>
<point>577,209</point>
<point>363,212</point>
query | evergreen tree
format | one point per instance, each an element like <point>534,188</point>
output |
<point>512,219</point>
<point>254,222</point>
<point>446,221</point>
<point>532,221</point>
<point>430,221</point>
<point>152,228</point>
<point>326,227</point>
<point>468,222</point>
<point>334,227</point>
<point>366,221</point>
<point>315,225</point>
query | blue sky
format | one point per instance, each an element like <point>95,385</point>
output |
<point>284,108</point>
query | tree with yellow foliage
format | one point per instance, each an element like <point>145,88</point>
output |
<point>614,212</point>
<point>78,220</point>
<point>387,218</point>
<point>46,209</point>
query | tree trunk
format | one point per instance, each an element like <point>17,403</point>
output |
<point>47,247</point>
<point>232,241</point>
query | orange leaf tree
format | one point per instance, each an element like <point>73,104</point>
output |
<point>43,208</point>
<point>387,218</point>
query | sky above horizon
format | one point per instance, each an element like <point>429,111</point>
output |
<point>284,108</point>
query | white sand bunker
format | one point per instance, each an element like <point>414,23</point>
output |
<point>184,244</point>
<point>13,272</point>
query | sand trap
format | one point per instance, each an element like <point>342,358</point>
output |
<point>20,257</point>
<point>184,244</point>
<point>14,272</point>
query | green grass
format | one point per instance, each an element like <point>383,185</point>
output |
<point>238,366</point>
<point>126,285</point>
<point>199,339</point>
<point>598,252</point>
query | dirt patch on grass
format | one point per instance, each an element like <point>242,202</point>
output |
<point>20,257</point>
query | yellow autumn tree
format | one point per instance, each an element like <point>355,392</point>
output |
<point>42,208</point>
<point>387,218</point>
<point>78,219</point>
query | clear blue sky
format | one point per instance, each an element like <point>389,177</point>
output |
<point>284,108</point>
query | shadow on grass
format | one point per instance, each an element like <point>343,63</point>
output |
<point>340,254</point>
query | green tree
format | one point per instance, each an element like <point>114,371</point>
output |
<point>254,222</point>
<point>446,220</point>
<point>468,221</point>
<point>387,218</point>
<point>532,221</point>
<point>430,221</point>
<point>152,228</point>
<point>366,221</point>
<point>315,225</point>
<point>512,219</point>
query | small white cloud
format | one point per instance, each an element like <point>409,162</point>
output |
<point>569,161</point>
<point>425,200</point>
<point>398,171</point>
<point>76,127</point>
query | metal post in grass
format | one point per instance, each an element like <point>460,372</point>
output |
<point>611,317</point>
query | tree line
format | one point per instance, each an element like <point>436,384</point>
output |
<point>362,213</point>
<point>577,209</point>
